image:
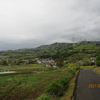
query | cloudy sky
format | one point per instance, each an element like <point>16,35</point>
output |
<point>31,23</point>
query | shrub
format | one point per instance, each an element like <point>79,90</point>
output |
<point>72,72</point>
<point>77,68</point>
<point>98,60</point>
<point>57,88</point>
<point>47,69</point>
<point>65,66</point>
<point>98,63</point>
<point>71,65</point>
<point>44,97</point>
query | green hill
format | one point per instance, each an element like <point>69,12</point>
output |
<point>55,50</point>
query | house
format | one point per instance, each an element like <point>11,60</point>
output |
<point>38,61</point>
<point>48,65</point>
<point>93,59</point>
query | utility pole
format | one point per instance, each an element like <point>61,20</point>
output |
<point>73,39</point>
<point>85,42</point>
<point>80,40</point>
<point>94,62</point>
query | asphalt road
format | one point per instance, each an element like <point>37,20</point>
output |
<point>88,85</point>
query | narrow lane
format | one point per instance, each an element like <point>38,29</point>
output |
<point>88,85</point>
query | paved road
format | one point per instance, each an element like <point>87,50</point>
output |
<point>88,85</point>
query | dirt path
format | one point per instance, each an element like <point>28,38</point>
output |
<point>88,85</point>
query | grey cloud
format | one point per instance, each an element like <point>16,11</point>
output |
<point>30,23</point>
<point>90,6</point>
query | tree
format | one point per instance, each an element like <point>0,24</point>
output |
<point>60,61</point>
<point>31,61</point>
<point>98,60</point>
<point>3,62</point>
<point>86,61</point>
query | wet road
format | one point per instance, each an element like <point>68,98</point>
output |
<point>88,85</point>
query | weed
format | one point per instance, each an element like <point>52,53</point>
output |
<point>58,87</point>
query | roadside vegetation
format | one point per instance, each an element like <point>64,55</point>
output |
<point>69,94</point>
<point>37,85</point>
<point>97,64</point>
<point>97,70</point>
<point>29,86</point>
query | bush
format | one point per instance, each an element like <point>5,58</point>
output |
<point>44,97</point>
<point>71,65</point>
<point>57,88</point>
<point>77,68</point>
<point>98,60</point>
<point>98,63</point>
<point>65,66</point>
<point>72,72</point>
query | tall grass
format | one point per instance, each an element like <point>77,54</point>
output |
<point>20,86</point>
<point>57,88</point>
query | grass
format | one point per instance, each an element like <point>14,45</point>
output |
<point>87,67</point>
<point>26,86</point>
<point>69,93</point>
<point>58,87</point>
<point>23,68</point>
<point>81,67</point>
<point>97,70</point>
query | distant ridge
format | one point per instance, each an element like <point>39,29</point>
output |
<point>52,50</point>
<point>54,44</point>
<point>98,41</point>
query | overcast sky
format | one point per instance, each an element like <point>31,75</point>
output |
<point>31,23</point>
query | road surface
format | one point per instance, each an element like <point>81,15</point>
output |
<point>88,85</point>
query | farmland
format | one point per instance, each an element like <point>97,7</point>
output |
<point>23,68</point>
<point>26,85</point>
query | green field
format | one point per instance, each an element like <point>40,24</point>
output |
<point>23,68</point>
<point>29,82</point>
<point>27,85</point>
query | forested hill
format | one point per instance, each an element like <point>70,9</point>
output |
<point>34,52</point>
<point>55,45</point>
<point>54,51</point>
